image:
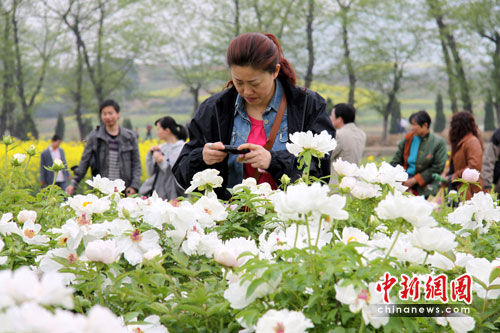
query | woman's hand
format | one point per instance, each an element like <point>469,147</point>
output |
<point>258,157</point>
<point>158,156</point>
<point>212,153</point>
<point>410,182</point>
<point>154,148</point>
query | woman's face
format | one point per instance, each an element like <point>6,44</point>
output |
<point>254,85</point>
<point>161,132</point>
<point>419,130</point>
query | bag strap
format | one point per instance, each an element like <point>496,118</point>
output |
<point>274,131</point>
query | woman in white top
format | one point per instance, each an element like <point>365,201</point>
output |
<point>161,159</point>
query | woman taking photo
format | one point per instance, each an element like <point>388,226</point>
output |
<point>258,111</point>
<point>160,159</point>
<point>466,149</point>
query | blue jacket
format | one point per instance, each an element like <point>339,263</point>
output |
<point>46,176</point>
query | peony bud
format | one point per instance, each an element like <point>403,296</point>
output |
<point>285,179</point>
<point>470,175</point>
<point>7,140</point>
<point>58,165</point>
<point>18,159</point>
<point>152,254</point>
<point>225,256</point>
<point>26,216</point>
<point>102,251</point>
<point>31,151</point>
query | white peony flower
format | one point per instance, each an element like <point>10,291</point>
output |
<point>481,269</point>
<point>351,234</point>
<point>19,158</point>
<point>461,324</point>
<point>8,227</point>
<point>107,186</point>
<point>197,243</point>
<point>30,234</point>
<point>153,253</point>
<point>319,144</point>
<point>26,215</point>
<point>362,190</point>
<point>387,174</point>
<point>472,215</point>
<point>102,320</point>
<point>345,168</point>
<point>210,210</point>
<point>74,231</point>
<point>361,299</point>
<point>236,292</point>
<point>414,209</point>
<point>134,244</point>
<point>302,199</point>
<point>439,261</point>
<point>152,325</point>
<point>470,175</point>
<point>434,239</point>
<point>227,254</point>
<point>368,172</point>
<point>206,177</point>
<point>104,251</point>
<point>48,264</point>
<point>88,204</point>
<point>283,321</point>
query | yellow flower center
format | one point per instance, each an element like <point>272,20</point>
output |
<point>86,203</point>
<point>352,239</point>
<point>137,330</point>
<point>62,241</point>
<point>365,295</point>
<point>208,211</point>
<point>29,233</point>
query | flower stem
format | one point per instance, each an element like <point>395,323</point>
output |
<point>362,326</point>
<point>308,232</point>
<point>55,177</point>
<point>425,259</point>
<point>296,235</point>
<point>319,231</point>
<point>392,246</point>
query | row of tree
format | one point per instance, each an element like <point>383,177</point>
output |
<point>94,46</point>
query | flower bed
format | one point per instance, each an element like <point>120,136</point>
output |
<point>306,257</point>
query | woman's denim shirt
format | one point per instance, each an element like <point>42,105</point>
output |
<point>241,129</point>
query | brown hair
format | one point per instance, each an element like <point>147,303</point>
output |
<point>462,123</point>
<point>260,51</point>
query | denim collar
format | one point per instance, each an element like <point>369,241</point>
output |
<point>274,104</point>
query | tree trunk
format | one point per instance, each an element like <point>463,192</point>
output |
<point>195,91</point>
<point>449,71</point>
<point>8,103</point>
<point>236,17</point>
<point>28,125</point>
<point>462,80</point>
<point>496,76</point>
<point>258,14</point>
<point>397,75</point>
<point>347,57</point>
<point>310,46</point>
<point>77,95</point>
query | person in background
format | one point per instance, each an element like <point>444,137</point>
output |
<point>111,151</point>
<point>491,163</point>
<point>421,154</point>
<point>47,160</point>
<point>160,160</point>
<point>466,150</point>
<point>261,99</point>
<point>149,128</point>
<point>351,139</point>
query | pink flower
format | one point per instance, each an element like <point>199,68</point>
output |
<point>470,175</point>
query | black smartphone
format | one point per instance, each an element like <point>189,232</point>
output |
<point>234,150</point>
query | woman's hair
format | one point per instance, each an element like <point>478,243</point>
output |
<point>260,51</point>
<point>421,117</point>
<point>462,123</point>
<point>179,131</point>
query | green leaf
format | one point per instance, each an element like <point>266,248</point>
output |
<point>254,285</point>
<point>131,315</point>
<point>495,273</point>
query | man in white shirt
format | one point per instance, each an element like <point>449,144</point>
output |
<point>351,139</point>
<point>47,159</point>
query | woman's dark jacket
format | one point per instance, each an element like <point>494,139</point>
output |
<point>213,122</point>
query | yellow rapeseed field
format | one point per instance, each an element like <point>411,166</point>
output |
<point>72,149</point>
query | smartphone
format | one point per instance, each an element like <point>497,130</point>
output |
<point>234,150</point>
